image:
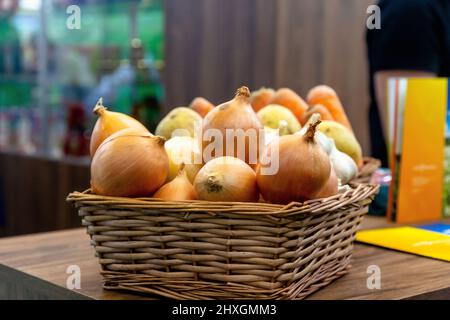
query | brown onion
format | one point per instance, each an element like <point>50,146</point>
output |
<point>304,168</point>
<point>226,179</point>
<point>129,164</point>
<point>235,116</point>
<point>330,188</point>
<point>180,188</point>
<point>109,122</point>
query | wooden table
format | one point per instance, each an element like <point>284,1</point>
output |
<point>34,266</point>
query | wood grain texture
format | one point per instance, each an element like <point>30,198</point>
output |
<point>34,189</point>
<point>213,47</point>
<point>47,256</point>
<point>16,285</point>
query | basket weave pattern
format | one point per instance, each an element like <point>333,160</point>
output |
<point>370,165</point>
<point>223,250</point>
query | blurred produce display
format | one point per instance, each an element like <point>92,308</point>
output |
<point>51,78</point>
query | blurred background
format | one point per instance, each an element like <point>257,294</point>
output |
<point>145,57</point>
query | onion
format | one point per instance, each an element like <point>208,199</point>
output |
<point>243,126</point>
<point>129,164</point>
<point>331,186</point>
<point>178,189</point>
<point>185,150</point>
<point>303,168</point>
<point>109,122</point>
<point>325,142</point>
<point>227,179</point>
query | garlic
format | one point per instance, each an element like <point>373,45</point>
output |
<point>326,143</point>
<point>344,166</point>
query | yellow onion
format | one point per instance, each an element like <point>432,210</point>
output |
<point>110,122</point>
<point>238,119</point>
<point>226,179</point>
<point>183,149</point>
<point>178,189</point>
<point>330,188</point>
<point>303,170</point>
<point>128,164</point>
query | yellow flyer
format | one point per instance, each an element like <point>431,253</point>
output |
<point>431,241</point>
<point>419,149</point>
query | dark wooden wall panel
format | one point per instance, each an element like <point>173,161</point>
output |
<point>33,192</point>
<point>214,46</point>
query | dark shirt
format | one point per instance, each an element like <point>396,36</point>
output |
<point>414,35</point>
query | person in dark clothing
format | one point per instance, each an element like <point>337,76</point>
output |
<point>414,41</point>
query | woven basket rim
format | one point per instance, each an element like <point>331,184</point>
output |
<point>370,165</point>
<point>357,194</point>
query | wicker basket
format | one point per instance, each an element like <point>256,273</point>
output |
<point>370,165</point>
<point>222,250</point>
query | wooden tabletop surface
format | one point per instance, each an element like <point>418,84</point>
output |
<point>35,266</point>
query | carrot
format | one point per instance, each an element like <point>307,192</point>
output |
<point>202,106</point>
<point>327,97</point>
<point>261,98</point>
<point>289,99</point>
<point>320,109</point>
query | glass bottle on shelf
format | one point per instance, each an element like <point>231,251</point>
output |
<point>57,131</point>
<point>76,143</point>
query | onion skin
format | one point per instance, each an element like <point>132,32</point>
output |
<point>227,179</point>
<point>179,189</point>
<point>330,188</point>
<point>108,123</point>
<point>304,169</point>
<point>129,164</point>
<point>234,115</point>
<point>182,150</point>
